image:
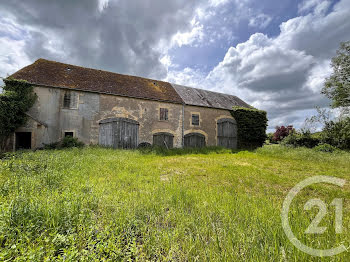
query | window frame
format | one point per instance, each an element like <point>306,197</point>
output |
<point>72,97</point>
<point>66,133</point>
<point>67,98</point>
<point>195,123</point>
<point>163,114</point>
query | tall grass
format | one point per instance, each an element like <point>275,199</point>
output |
<point>103,204</point>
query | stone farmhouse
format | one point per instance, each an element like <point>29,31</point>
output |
<point>121,111</point>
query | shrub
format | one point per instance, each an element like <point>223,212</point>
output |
<point>270,138</point>
<point>66,142</point>
<point>70,141</point>
<point>144,145</point>
<point>325,148</point>
<point>305,139</point>
<point>251,127</point>
<point>282,132</point>
<point>337,133</point>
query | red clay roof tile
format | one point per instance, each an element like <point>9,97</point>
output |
<point>55,74</point>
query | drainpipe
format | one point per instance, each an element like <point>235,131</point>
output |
<point>183,127</point>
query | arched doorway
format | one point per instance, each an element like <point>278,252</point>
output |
<point>163,139</point>
<point>194,140</point>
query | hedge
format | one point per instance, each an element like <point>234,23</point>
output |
<point>251,124</point>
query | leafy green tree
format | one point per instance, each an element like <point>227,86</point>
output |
<point>15,100</point>
<point>337,86</point>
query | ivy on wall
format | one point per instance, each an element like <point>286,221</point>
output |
<point>17,98</point>
<point>251,124</point>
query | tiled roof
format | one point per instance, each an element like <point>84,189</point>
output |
<point>200,97</point>
<point>55,74</point>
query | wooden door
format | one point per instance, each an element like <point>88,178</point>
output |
<point>106,137</point>
<point>163,140</point>
<point>227,133</point>
<point>119,133</point>
<point>194,140</point>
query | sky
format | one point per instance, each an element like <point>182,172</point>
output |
<point>273,54</point>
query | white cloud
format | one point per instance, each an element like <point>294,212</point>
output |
<point>12,47</point>
<point>216,3</point>
<point>190,37</point>
<point>187,76</point>
<point>260,21</point>
<point>317,6</point>
<point>102,4</point>
<point>283,75</point>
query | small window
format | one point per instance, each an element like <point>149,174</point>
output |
<point>66,100</point>
<point>195,120</point>
<point>68,134</point>
<point>70,100</point>
<point>163,114</point>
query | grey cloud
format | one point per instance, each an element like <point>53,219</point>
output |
<point>317,34</point>
<point>123,37</point>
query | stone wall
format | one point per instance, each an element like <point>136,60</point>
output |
<point>83,119</point>
<point>207,122</point>
<point>50,120</point>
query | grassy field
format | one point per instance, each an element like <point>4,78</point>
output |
<point>96,204</point>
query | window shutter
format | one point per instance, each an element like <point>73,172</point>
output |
<point>74,100</point>
<point>67,99</point>
<point>163,114</point>
<point>70,100</point>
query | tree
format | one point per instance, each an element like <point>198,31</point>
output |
<point>282,132</point>
<point>337,86</point>
<point>17,98</point>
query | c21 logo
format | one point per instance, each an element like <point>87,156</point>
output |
<point>314,225</point>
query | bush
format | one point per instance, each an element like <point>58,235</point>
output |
<point>270,138</point>
<point>305,139</point>
<point>70,141</point>
<point>325,148</point>
<point>144,145</point>
<point>251,127</point>
<point>66,142</point>
<point>337,133</point>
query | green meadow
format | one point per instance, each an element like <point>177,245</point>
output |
<point>97,204</point>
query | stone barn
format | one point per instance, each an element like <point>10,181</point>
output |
<point>121,111</point>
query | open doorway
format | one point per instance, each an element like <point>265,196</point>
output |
<point>23,140</point>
